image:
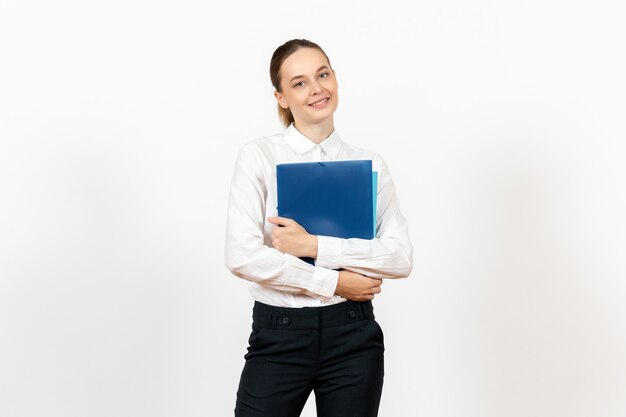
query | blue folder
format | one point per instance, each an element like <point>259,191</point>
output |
<point>331,198</point>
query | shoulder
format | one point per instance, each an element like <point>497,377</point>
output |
<point>260,148</point>
<point>263,144</point>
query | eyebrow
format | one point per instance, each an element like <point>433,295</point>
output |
<point>300,76</point>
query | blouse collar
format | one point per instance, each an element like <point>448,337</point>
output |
<point>301,144</point>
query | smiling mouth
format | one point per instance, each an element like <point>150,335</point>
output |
<point>320,102</point>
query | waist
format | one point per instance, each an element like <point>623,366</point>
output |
<point>264,315</point>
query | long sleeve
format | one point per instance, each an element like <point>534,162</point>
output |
<point>246,254</point>
<point>388,255</point>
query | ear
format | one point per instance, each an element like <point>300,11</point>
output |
<point>281,100</point>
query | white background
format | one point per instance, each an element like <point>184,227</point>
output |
<point>502,124</point>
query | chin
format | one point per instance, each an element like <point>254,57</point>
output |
<point>322,114</point>
<point>320,117</point>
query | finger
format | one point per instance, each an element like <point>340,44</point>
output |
<point>280,221</point>
<point>376,290</point>
<point>376,282</point>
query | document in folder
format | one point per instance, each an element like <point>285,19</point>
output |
<point>331,198</point>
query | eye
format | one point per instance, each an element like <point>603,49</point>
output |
<point>298,84</point>
<point>325,73</point>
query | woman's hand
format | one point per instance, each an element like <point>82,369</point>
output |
<point>289,237</point>
<point>357,287</point>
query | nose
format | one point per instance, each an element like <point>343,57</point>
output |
<point>316,87</point>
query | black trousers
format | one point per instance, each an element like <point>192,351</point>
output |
<point>335,351</point>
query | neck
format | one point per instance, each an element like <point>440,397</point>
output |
<point>317,132</point>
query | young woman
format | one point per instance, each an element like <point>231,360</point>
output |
<point>313,326</point>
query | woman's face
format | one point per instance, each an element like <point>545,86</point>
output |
<point>309,86</point>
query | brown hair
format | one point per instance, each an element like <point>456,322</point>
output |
<point>280,54</point>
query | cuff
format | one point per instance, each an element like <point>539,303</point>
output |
<point>324,283</point>
<point>328,252</point>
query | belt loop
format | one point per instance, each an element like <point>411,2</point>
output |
<point>275,321</point>
<point>268,323</point>
<point>271,322</point>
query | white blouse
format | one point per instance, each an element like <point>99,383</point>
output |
<point>282,279</point>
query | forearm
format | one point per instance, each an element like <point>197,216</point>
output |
<point>268,266</point>
<point>376,258</point>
